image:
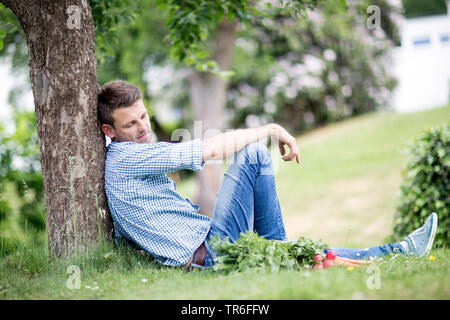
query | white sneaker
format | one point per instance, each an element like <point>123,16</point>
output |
<point>419,242</point>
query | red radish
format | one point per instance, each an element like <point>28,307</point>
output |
<point>318,258</point>
<point>317,266</point>
<point>331,255</point>
<point>328,263</point>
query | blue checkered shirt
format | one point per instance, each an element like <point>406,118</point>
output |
<point>146,208</point>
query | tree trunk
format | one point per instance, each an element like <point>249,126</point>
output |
<point>208,96</point>
<point>63,70</point>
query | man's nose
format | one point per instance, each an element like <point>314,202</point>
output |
<point>141,126</point>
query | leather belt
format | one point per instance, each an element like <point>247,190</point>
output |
<point>198,257</point>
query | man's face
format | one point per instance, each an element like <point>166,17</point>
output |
<point>130,124</point>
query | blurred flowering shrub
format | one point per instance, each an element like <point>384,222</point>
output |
<point>308,71</point>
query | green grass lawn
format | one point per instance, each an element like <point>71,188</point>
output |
<point>123,274</point>
<point>343,192</point>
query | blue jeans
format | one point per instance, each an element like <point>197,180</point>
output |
<point>247,200</point>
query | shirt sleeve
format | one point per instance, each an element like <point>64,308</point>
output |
<point>143,159</point>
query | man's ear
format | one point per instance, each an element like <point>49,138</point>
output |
<point>109,130</point>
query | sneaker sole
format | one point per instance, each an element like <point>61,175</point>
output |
<point>432,233</point>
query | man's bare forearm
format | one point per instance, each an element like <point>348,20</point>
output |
<point>227,144</point>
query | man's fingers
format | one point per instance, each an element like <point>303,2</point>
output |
<point>294,153</point>
<point>297,154</point>
<point>282,150</point>
<point>290,156</point>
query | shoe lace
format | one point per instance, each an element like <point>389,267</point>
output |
<point>411,242</point>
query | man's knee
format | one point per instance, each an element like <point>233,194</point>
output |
<point>255,152</point>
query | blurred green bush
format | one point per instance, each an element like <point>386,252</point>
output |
<point>426,185</point>
<point>22,212</point>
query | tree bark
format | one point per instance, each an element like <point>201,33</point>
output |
<point>208,96</point>
<point>63,71</point>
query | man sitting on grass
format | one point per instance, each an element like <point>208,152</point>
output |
<point>148,212</point>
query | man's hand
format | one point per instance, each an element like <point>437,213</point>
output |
<point>284,138</point>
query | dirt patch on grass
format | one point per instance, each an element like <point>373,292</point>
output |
<point>353,212</point>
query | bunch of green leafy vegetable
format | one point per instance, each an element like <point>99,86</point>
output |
<point>251,251</point>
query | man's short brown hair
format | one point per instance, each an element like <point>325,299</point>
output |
<point>114,95</point>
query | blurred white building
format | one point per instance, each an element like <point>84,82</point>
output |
<point>422,63</point>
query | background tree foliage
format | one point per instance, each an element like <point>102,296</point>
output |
<point>307,72</point>
<point>21,190</point>
<point>190,24</point>
<point>318,70</point>
<point>419,8</point>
